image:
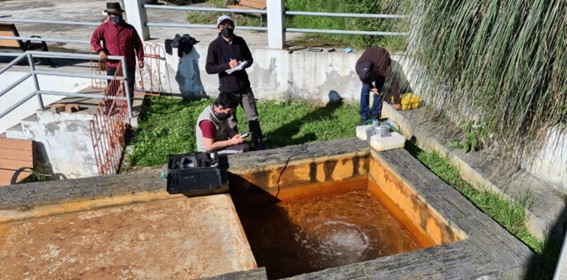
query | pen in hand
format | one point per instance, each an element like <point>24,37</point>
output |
<point>233,63</point>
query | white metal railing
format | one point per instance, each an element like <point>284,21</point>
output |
<point>65,22</point>
<point>275,18</point>
<point>53,40</point>
<point>202,9</point>
<point>38,92</point>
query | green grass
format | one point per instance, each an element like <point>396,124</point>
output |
<point>510,215</point>
<point>167,126</point>
<point>196,17</point>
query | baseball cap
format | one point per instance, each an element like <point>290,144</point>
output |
<point>364,70</point>
<point>223,18</point>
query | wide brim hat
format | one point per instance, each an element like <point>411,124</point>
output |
<point>113,8</point>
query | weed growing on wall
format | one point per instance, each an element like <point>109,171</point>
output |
<point>502,62</point>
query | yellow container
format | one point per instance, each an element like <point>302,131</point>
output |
<point>410,101</point>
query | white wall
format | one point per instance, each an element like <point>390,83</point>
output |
<point>64,140</point>
<point>277,74</point>
<point>551,163</point>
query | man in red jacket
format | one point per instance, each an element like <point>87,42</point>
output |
<point>118,38</point>
<point>373,69</point>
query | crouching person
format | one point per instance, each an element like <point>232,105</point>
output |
<point>212,131</point>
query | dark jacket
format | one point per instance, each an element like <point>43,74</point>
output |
<point>219,55</point>
<point>382,68</point>
<point>121,39</point>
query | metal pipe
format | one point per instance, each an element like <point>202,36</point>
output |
<point>45,39</point>
<point>322,14</point>
<point>28,97</point>
<point>14,84</point>
<point>76,75</point>
<point>128,93</point>
<point>17,104</point>
<point>71,55</point>
<point>378,33</point>
<point>50,21</point>
<point>35,81</point>
<point>152,24</point>
<point>211,26</point>
<point>9,65</point>
<point>87,95</point>
<point>34,73</point>
<point>243,11</point>
<point>81,95</point>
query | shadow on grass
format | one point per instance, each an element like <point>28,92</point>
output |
<point>283,135</point>
<point>155,105</point>
<point>545,265</point>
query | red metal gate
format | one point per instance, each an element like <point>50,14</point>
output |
<point>109,125</point>
<point>154,72</point>
<point>149,80</point>
<point>111,119</point>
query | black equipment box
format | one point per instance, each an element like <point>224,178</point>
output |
<point>196,174</point>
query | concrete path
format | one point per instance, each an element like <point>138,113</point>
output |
<point>91,11</point>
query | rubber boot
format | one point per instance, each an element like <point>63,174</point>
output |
<point>362,121</point>
<point>256,131</point>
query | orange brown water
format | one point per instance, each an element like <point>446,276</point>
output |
<point>291,238</point>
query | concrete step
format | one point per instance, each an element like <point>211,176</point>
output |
<point>30,123</point>
<point>86,105</point>
<point>20,131</point>
<point>15,132</point>
<point>31,118</point>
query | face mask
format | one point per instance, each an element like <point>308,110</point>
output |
<point>227,32</point>
<point>222,116</point>
<point>116,20</point>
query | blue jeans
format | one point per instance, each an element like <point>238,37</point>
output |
<point>376,109</point>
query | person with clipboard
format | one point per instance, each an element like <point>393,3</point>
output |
<point>228,56</point>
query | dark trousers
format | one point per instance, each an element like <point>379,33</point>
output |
<point>376,110</point>
<point>365,110</point>
<point>130,79</point>
<point>248,103</point>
